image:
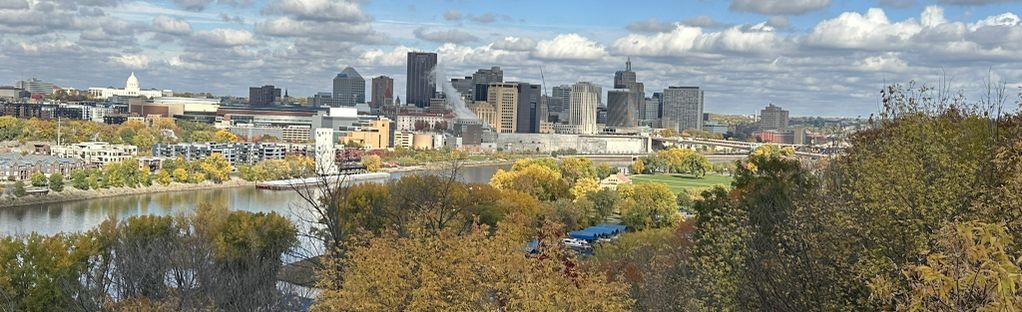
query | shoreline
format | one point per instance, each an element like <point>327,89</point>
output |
<point>70,194</point>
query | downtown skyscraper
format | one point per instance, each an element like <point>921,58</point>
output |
<point>626,105</point>
<point>683,108</point>
<point>349,88</point>
<point>421,78</point>
<point>383,92</point>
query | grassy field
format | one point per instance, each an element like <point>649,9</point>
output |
<point>685,183</point>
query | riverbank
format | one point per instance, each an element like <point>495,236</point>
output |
<point>72,194</point>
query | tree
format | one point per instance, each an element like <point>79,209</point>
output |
<point>163,178</point>
<point>57,182</point>
<point>604,170</point>
<point>537,180</point>
<point>180,175</point>
<point>605,202</point>
<point>38,179</point>
<point>680,160</point>
<point>472,271</point>
<point>200,136</point>
<point>971,270</point>
<point>373,163</point>
<point>573,169</point>
<point>584,187</point>
<point>10,128</point>
<point>648,205</point>
<point>521,164</point>
<point>638,166</point>
<point>79,179</point>
<point>19,189</point>
<point>216,168</point>
<point>224,136</point>
<point>145,139</point>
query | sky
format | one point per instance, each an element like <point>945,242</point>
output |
<point>812,57</point>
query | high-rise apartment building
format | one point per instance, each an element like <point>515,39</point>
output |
<point>383,92</point>
<point>503,96</point>
<point>582,108</point>
<point>683,108</point>
<point>263,96</point>
<point>421,78</point>
<point>773,118</point>
<point>349,87</point>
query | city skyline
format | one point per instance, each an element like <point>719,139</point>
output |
<point>814,57</point>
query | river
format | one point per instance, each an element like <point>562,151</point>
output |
<point>78,216</point>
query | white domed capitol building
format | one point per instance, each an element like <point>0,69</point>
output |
<point>131,89</point>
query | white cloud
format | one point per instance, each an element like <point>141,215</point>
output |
<point>515,44</point>
<point>870,31</point>
<point>779,7</point>
<point>170,25</point>
<point>452,54</point>
<point>225,37</point>
<point>1005,19</point>
<point>132,61</point>
<point>395,57</point>
<point>887,62</point>
<point>319,10</point>
<point>758,38</point>
<point>569,47</point>
<point>289,27</point>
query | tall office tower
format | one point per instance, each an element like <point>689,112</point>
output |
<point>465,86</point>
<point>349,87</point>
<point>560,97</point>
<point>651,111</point>
<point>530,112</point>
<point>626,79</point>
<point>421,78</point>
<point>263,96</point>
<point>596,88</point>
<point>620,112</point>
<point>659,97</point>
<point>383,92</point>
<point>582,107</point>
<point>482,78</point>
<point>683,108</point>
<point>503,96</point>
<point>773,118</point>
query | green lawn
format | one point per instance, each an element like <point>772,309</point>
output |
<point>683,182</point>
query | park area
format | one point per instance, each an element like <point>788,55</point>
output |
<point>685,182</point>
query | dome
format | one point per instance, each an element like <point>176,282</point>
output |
<point>132,83</point>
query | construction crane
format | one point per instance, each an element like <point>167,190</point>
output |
<point>543,78</point>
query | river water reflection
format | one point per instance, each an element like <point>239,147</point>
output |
<point>83,215</point>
